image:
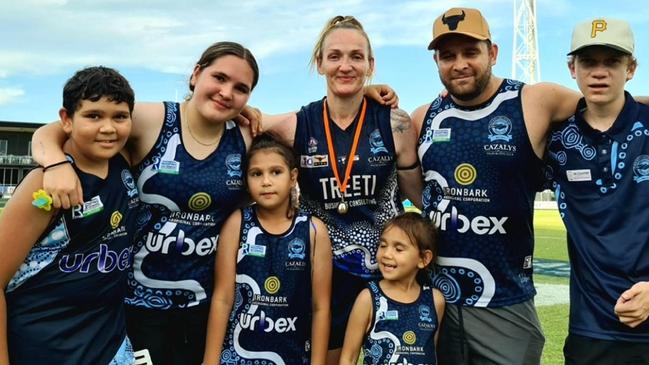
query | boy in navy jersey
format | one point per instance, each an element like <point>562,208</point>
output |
<point>63,272</point>
<point>600,163</point>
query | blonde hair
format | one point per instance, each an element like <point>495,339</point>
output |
<point>338,22</point>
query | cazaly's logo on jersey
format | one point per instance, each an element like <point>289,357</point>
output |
<point>424,313</point>
<point>296,249</point>
<point>500,129</point>
<point>376,143</point>
<point>641,168</point>
<point>233,163</point>
<point>129,182</point>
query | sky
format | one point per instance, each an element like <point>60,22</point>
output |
<point>155,43</point>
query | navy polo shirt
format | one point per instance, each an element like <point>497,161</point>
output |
<point>602,187</point>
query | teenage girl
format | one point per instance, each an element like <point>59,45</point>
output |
<point>396,320</point>
<point>273,272</point>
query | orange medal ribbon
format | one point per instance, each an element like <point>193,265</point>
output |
<point>342,186</point>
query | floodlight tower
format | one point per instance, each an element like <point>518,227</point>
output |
<point>525,54</point>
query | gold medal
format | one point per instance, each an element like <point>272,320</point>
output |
<point>343,208</point>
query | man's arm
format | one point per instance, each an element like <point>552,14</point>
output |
<point>405,145</point>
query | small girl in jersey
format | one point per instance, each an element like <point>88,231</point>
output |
<point>63,272</point>
<point>395,320</point>
<point>273,272</point>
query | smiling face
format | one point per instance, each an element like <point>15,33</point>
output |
<point>345,62</point>
<point>464,65</point>
<point>398,257</point>
<point>222,89</point>
<point>601,73</point>
<point>270,180</point>
<point>97,130</point>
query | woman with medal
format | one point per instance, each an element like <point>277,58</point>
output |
<point>356,155</point>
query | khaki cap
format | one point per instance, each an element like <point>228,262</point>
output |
<point>608,32</point>
<point>466,21</point>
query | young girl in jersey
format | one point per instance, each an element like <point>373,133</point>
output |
<point>396,320</point>
<point>63,272</point>
<point>273,272</point>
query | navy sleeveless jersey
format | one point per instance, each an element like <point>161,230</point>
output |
<point>481,175</point>
<point>184,203</point>
<point>602,188</point>
<point>65,302</point>
<point>372,191</point>
<point>270,322</point>
<point>401,333</point>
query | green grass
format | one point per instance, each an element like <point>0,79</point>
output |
<point>550,236</point>
<point>550,243</point>
<point>554,319</point>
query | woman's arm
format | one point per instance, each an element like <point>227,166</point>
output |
<point>20,226</point>
<point>358,326</point>
<point>405,145</point>
<point>321,262</point>
<point>440,304</point>
<point>225,271</point>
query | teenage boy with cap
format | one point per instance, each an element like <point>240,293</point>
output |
<point>480,149</point>
<point>600,163</point>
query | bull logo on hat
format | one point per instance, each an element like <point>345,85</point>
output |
<point>452,21</point>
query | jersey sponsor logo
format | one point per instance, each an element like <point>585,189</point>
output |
<point>466,194</point>
<point>388,315</point>
<point>262,323</point>
<point>479,225</point>
<point>192,219</point>
<point>409,337</point>
<point>272,284</point>
<point>376,142</point>
<point>91,207</point>
<point>500,129</point>
<point>163,243</point>
<point>105,259</point>
<point>501,149</point>
<point>465,174</point>
<point>309,162</point>
<point>439,135</point>
<point>269,300</point>
<point>115,219</point>
<point>199,201</point>
<point>641,168</point>
<point>357,186</point>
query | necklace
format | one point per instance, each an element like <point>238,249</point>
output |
<point>189,128</point>
<point>343,207</point>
